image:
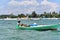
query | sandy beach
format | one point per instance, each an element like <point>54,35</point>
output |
<point>27,18</point>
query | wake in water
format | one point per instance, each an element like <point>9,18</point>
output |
<point>58,29</point>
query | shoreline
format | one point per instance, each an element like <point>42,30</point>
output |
<point>27,18</point>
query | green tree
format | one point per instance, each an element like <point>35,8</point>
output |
<point>34,14</point>
<point>21,15</point>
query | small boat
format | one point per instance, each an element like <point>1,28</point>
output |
<point>39,27</point>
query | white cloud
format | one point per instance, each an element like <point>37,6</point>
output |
<point>45,5</point>
<point>25,2</point>
<point>53,6</point>
<point>27,6</point>
<point>30,10</point>
<point>1,7</point>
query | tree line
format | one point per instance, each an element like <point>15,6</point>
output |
<point>34,15</point>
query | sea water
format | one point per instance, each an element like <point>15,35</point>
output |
<point>8,30</point>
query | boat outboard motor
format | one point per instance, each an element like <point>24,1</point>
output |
<point>34,24</point>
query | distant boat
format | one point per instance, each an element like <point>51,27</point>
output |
<point>39,27</point>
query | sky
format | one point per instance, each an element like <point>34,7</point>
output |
<point>28,6</point>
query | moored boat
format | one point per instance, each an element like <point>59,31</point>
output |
<point>39,27</point>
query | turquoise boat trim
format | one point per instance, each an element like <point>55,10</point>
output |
<point>39,27</point>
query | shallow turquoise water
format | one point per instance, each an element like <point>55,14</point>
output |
<point>9,32</point>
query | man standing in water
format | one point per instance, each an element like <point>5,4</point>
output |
<point>19,20</point>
